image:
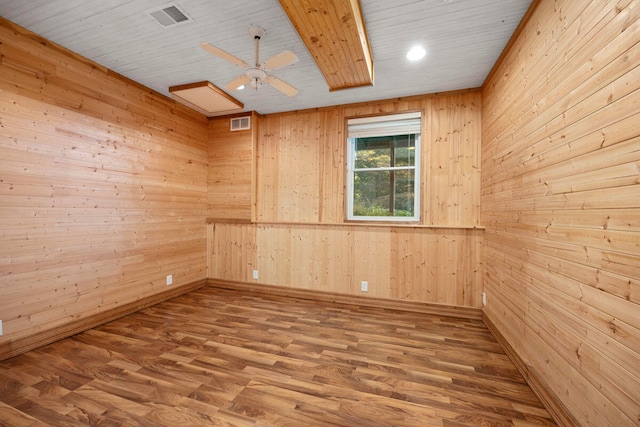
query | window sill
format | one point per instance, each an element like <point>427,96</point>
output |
<point>349,224</point>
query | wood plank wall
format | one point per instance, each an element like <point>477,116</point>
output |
<point>299,238</point>
<point>230,176</point>
<point>301,160</point>
<point>561,204</point>
<point>440,266</point>
<point>103,189</point>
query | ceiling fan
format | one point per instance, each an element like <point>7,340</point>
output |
<point>256,75</point>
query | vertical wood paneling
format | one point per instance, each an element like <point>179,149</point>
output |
<point>300,184</point>
<point>301,160</point>
<point>289,158</point>
<point>233,251</point>
<point>230,179</point>
<point>454,162</point>
<point>299,179</point>
<point>275,244</point>
<point>102,189</point>
<point>373,262</point>
<point>561,202</point>
<point>422,265</point>
<point>333,160</point>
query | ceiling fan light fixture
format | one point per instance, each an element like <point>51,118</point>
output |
<point>256,75</point>
<point>416,53</point>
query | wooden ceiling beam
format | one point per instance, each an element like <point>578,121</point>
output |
<point>336,37</point>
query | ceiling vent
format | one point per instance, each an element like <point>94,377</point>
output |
<point>241,123</point>
<point>169,15</point>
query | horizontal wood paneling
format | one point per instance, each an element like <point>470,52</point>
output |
<point>439,266</point>
<point>14,347</point>
<point>561,203</point>
<point>103,190</point>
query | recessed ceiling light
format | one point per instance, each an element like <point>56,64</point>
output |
<point>240,87</point>
<point>416,53</point>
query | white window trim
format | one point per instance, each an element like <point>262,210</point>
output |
<point>351,170</point>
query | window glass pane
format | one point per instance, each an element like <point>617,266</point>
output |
<point>403,190</point>
<point>383,165</point>
<point>373,152</point>
<point>385,151</point>
<point>405,150</point>
<point>384,193</point>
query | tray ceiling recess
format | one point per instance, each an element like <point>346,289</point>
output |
<point>206,98</point>
<point>345,64</point>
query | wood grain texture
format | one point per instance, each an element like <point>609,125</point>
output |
<point>439,266</point>
<point>561,203</point>
<point>555,407</point>
<point>333,297</point>
<point>223,357</point>
<point>335,35</point>
<point>231,171</point>
<point>301,160</point>
<point>17,346</point>
<point>102,189</point>
<point>301,239</point>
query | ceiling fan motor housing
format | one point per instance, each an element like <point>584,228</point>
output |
<point>256,75</point>
<point>256,32</point>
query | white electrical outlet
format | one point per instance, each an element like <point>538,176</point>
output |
<point>255,274</point>
<point>484,298</point>
<point>0,327</point>
<point>364,286</point>
<point>169,279</point>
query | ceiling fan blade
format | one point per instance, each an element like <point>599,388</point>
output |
<point>280,60</point>
<point>283,87</point>
<point>236,83</point>
<point>222,54</point>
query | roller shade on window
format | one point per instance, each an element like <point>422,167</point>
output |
<point>396,124</point>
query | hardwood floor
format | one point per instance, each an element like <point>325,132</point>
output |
<point>229,358</point>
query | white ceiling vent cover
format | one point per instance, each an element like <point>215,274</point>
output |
<point>169,15</point>
<point>241,123</point>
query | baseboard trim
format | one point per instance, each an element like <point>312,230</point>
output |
<point>553,405</point>
<point>389,304</point>
<point>11,348</point>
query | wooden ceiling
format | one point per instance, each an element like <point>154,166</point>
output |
<point>335,34</point>
<point>463,40</point>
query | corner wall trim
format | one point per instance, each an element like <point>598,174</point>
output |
<point>553,405</point>
<point>11,348</point>
<point>389,304</point>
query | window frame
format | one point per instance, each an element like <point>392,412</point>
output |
<point>351,169</point>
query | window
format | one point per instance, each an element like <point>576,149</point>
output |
<point>383,173</point>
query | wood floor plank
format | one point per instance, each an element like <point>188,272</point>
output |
<point>231,358</point>
<point>11,416</point>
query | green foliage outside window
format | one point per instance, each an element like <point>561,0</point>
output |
<point>384,176</point>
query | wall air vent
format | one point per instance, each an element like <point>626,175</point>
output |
<point>169,15</point>
<point>241,123</point>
